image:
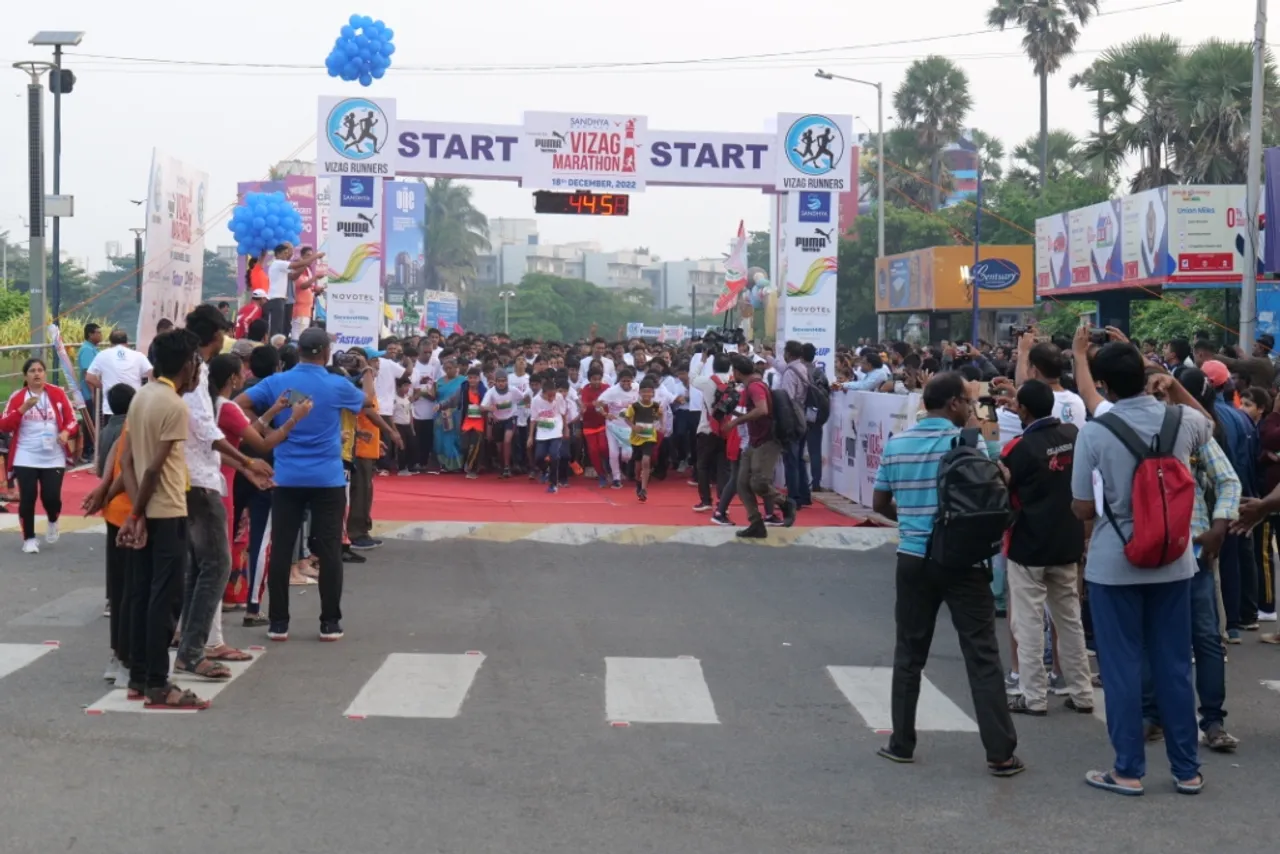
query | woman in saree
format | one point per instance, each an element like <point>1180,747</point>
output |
<point>448,430</point>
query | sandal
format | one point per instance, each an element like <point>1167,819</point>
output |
<point>171,697</point>
<point>297,579</point>
<point>1189,788</point>
<point>226,653</point>
<point>135,693</point>
<point>1269,638</point>
<point>1107,782</point>
<point>1009,768</point>
<point>252,621</point>
<point>207,669</point>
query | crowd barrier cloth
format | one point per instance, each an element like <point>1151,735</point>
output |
<point>861,423</point>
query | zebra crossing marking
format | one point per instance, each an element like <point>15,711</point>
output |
<point>15,656</point>
<point>417,685</point>
<point>117,700</point>
<point>868,690</point>
<point>657,690</point>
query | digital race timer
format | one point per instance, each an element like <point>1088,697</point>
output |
<point>590,204</point>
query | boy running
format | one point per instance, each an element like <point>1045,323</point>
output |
<point>500,403</point>
<point>644,418</point>
<point>550,426</point>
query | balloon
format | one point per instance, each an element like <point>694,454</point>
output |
<point>273,220</point>
<point>362,51</point>
<point>255,233</point>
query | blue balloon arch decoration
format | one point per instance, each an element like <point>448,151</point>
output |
<point>263,221</point>
<point>362,50</point>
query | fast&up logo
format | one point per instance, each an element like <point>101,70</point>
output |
<point>356,193</point>
<point>996,274</point>
<point>815,207</point>
<point>357,128</point>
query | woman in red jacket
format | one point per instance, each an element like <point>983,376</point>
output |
<point>41,421</point>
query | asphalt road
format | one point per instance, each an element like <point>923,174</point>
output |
<point>531,763</point>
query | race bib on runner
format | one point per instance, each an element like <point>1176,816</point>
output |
<point>48,439</point>
<point>546,424</point>
<point>504,406</point>
<point>473,411</point>
<point>645,431</point>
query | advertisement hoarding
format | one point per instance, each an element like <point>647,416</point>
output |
<point>404,218</point>
<point>931,279</point>
<point>1184,235</point>
<point>353,302</point>
<point>174,274</point>
<point>813,152</point>
<point>583,151</point>
<point>354,137</point>
<point>441,311</point>
<point>807,300</point>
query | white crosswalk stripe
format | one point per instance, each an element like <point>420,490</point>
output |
<point>15,656</point>
<point>657,690</point>
<point>117,700</point>
<point>411,685</point>
<point>867,690</point>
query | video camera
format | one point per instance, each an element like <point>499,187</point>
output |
<point>717,339</point>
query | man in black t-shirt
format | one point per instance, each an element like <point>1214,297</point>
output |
<point>1045,546</point>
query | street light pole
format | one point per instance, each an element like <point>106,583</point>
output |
<point>879,87</point>
<point>506,295</point>
<point>1253,174</point>
<point>137,263</point>
<point>35,172</point>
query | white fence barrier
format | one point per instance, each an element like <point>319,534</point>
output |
<point>854,438</point>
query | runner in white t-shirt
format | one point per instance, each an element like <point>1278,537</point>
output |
<point>613,402</point>
<point>117,364</point>
<point>501,402</point>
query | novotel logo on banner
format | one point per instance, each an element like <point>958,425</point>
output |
<point>996,274</point>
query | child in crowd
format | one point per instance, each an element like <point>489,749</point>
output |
<point>593,429</point>
<point>471,396</point>
<point>644,417</point>
<point>500,402</point>
<point>549,428</point>
<point>612,403</point>
<point>402,419</point>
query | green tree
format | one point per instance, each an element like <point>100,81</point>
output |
<point>933,100</point>
<point>990,154</point>
<point>1011,207</point>
<point>456,235</point>
<point>74,281</point>
<point>114,294</point>
<point>1180,315</point>
<point>905,229</point>
<point>758,250</point>
<point>1050,33</point>
<point>219,277</point>
<point>1066,157</point>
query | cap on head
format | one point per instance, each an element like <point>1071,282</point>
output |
<point>1216,372</point>
<point>371,353</point>
<point>312,341</point>
<point>259,293</point>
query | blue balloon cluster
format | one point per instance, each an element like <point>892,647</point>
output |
<point>263,221</point>
<point>362,51</point>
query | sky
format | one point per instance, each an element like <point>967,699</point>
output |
<point>235,121</point>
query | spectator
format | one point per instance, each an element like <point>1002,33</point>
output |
<point>760,454</point>
<point>1136,609</point>
<point>119,363</point>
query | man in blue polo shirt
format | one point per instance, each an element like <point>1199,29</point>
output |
<point>907,490</point>
<point>309,475</point>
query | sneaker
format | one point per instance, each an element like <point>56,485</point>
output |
<point>106,609</point>
<point>721,519</point>
<point>383,473</point>
<point>604,482</point>
<point>701,508</point>
<point>552,489</point>
<point>1072,705</point>
<point>113,670</point>
<point>472,476</point>
<point>364,543</point>
<point>31,547</point>
<point>1266,616</point>
<point>1012,683</point>
<point>253,621</point>
<point>1058,685</point>
<point>1219,740</point>
<point>642,495</point>
<point>1233,636</point>
<point>789,513</point>
<point>506,474</point>
<point>349,556</point>
<point>1018,706</point>
<point>1249,627</point>
<point>617,484</point>
<point>754,531</point>
<point>51,535</point>
<point>331,630</point>
<point>278,631</point>
<point>122,676</point>
<point>775,521</point>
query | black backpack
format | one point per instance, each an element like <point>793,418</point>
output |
<point>787,426</point>
<point>817,399</point>
<point>973,506</point>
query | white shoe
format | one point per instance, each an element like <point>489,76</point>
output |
<point>113,670</point>
<point>31,547</point>
<point>1266,616</point>
<point>51,535</point>
<point>122,677</point>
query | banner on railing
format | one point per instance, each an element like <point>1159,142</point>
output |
<point>861,423</point>
<point>72,382</point>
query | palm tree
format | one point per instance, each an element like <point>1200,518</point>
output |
<point>456,234</point>
<point>1066,157</point>
<point>1049,36</point>
<point>906,181</point>
<point>990,154</point>
<point>1210,95</point>
<point>933,100</point>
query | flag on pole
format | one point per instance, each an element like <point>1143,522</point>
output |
<point>735,272</point>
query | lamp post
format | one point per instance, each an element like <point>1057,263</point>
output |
<point>506,295</point>
<point>59,81</point>
<point>137,263</point>
<point>35,171</point>
<point>879,87</point>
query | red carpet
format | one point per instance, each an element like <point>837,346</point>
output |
<point>452,498</point>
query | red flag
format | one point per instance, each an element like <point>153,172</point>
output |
<point>457,328</point>
<point>735,272</point>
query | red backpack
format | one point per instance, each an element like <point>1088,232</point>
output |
<point>1162,494</point>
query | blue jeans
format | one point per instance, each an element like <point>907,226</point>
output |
<point>544,449</point>
<point>1206,643</point>
<point>792,462</point>
<point>1128,618</point>
<point>814,441</point>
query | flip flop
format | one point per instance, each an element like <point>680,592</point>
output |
<point>227,653</point>
<point>1105,781</point>
<point>1270,638</point>
<point>1189,788</point>
<point>1009,769</point>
